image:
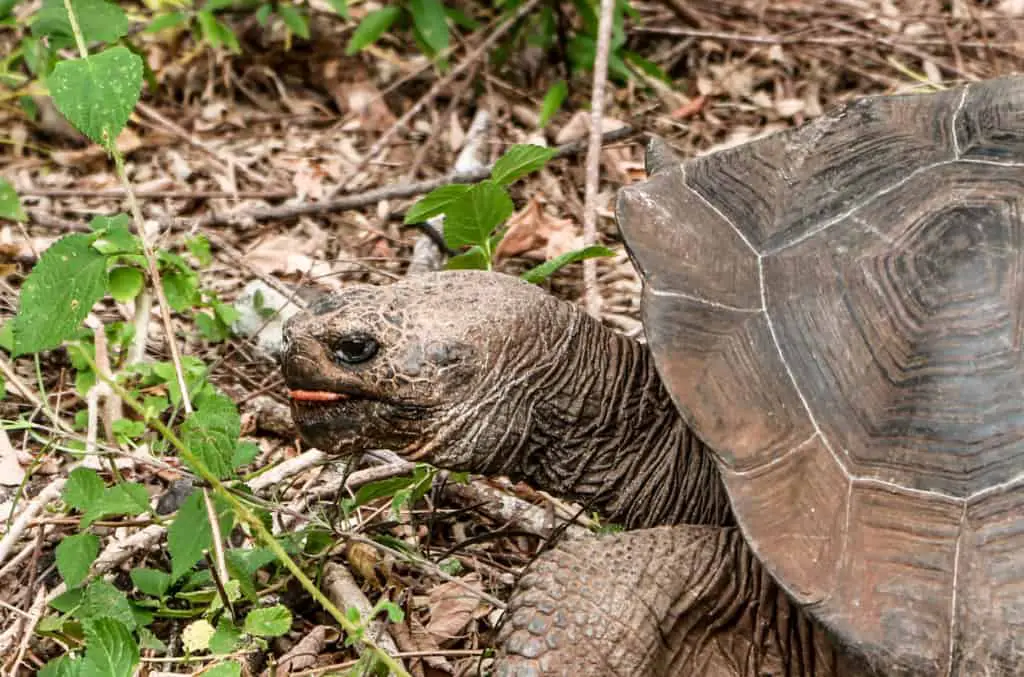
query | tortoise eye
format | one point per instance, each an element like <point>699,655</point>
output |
<point>355,349</point>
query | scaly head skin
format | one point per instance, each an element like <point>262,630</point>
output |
<point>485,373</point>
<point>398,366</point>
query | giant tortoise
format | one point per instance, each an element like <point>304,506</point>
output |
<point>819,457</point>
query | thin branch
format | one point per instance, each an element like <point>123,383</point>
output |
<point>591,295</point>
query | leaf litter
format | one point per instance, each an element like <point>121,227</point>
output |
<point>226,134</point>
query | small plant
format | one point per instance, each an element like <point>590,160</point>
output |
<point>474,214</point>
<point>106,627</point>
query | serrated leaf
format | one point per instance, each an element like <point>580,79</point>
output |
<point>371,28</point>
<point>212,432</point>
<point>181,290</point>
<point>57,295</point>
<point>553,100</point>
<point>75,554</point>
<point>110,649</point>
<point>339,6</point>
<point>124,498</point>
<point>225,669</point>
<point>98,93</point>
<point>518,161</point>
<point>166,21</point>
<point>431,23</point>
<point>271,621</point>
<point>244,454</point>
<point>10,204</point>
<point>99,21</point>
<point>189,535</point>
<point>436,202</point>
<point>294,20</point>
<point>62,666</point>
<point>226,638</point>
<point>83,488</point>
<point>471,219</point>
<point>545,270</point>
<point>199,247</point>
<point>102,600</point>
<point>125,283</point>
<point>151,581</point>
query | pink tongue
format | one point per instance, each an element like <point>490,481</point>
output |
<point>315,396</point>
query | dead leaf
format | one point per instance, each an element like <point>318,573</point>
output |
<point>307,652</point>
<point>285,254</point>
<point>531,232</point>
<point>11,472</point>
<point>452,607</point>
<point>691,107</point>
<point>579,126</point>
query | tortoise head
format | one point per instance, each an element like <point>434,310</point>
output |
<point>403,366</point>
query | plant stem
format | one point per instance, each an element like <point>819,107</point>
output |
<point>254,523</point>
<point>83,51</point>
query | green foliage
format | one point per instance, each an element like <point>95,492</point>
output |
<point>212,432</point>
<point>75,554</point>
<point>59,292</point>
<point>97,93</point>
<point>474,214</point>
<point>271,621</point>
<point>10,205</point>
<point>553,100</point>
<point>373,25</point>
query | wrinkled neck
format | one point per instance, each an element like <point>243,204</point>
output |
<point>590,420</point>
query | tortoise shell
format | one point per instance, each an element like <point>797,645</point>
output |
<point>838,311</point>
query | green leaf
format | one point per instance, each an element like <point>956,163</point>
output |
<point>110,649</point>
<point>189,535</point>
<point>225,669</point>
<point>225,638</point>
<point>83,488</point>
<point>520,160</point>
<point>99,21</point>
<point>6,7</point>
<point>3,387</point>
<point>151,581</point>
<point>271,621</point>
<point>62,666</point>
<point>124,498</point>
<point>125,283</point>
<point>436,202</point>
<point>166,21</point>
<point>431,23</point>
<point>547,269</point>
<point>57,295</point>
<point>102,600</point>
<point>371,28</point>
<point>263,13</point>
<point>471,219</point>
<point>199,247</point>
<point>553,100</point>
<point>10,205</point>
<point>75,554</point>
<point>212,432</point>
<point>294,20</point>
<point>381,488</point>
<point>98,93</point>
<point>339,6</point>
<point>181,290</point>
<point>245,453</point>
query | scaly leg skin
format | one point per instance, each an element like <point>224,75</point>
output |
<point>681,600</point>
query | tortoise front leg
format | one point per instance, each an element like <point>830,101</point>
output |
<point>667,601</point>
